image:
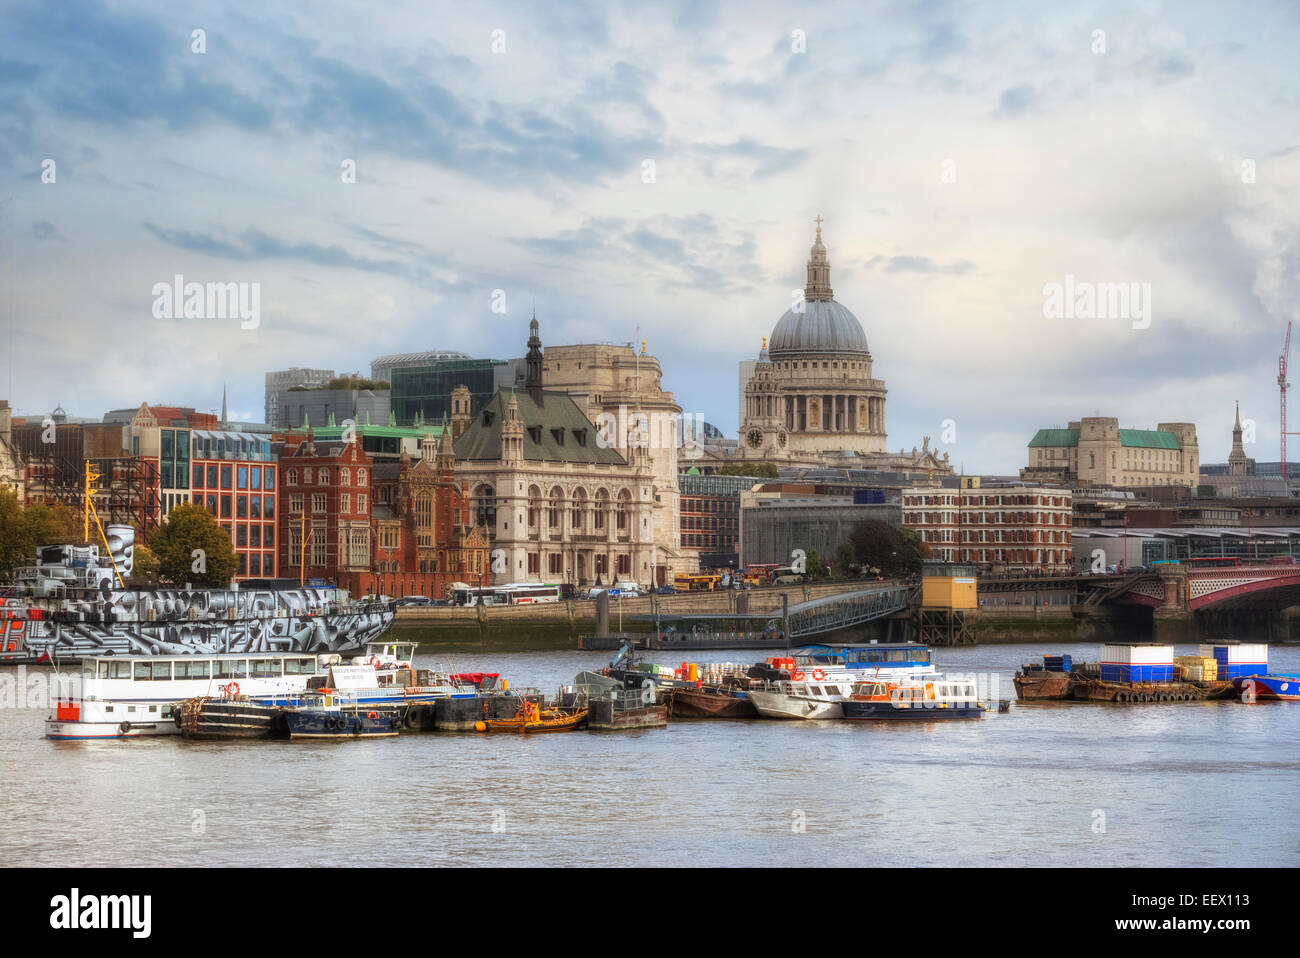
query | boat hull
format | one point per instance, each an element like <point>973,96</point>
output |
<point>780,705</point>
<point>1040,685</point>
<point>1268,688</point>
<point>697,703</point>
<point>70,731</point>
<point>888,712</point>
<point>336,725</point>
<point>565,723</point>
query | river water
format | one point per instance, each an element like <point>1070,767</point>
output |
<point>1046,784</point>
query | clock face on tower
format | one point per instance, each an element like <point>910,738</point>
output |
<point>755,438</point>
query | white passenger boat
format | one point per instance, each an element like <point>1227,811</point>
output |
<point>801,700</point>
<point>130,696</point>
<point>811,681</point>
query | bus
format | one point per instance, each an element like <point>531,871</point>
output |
<point>760,573</point>
<point>1212,561</point>
<point>701,582</point>
<point>514,593</point>
<point>785,575</point>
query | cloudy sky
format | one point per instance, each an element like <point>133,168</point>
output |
<point>964,156</point>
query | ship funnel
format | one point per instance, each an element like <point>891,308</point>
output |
<point>121,545</point>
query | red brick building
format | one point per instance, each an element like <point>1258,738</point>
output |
<point>1015,527</point>
<point>423,535</point>
<point>325,509</point>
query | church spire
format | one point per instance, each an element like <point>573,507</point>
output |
<point>533,380</point>
<point>1238,464</point>
<point>819,271</point>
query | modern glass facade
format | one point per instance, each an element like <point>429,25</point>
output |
<point>427,389</point>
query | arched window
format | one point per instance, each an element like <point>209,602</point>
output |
<point>291,477</point>
<point>345,476</point>
<point>361,477</point>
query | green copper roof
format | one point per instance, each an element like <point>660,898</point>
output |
<point>395,432</point>
<point>1055,437</point>
<point>1148,439</point>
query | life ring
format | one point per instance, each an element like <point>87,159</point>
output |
<point>798,676</point>
<point>231,690</point>
<point>124,728</point>
<point>372,715</point>
<point>818,675</point>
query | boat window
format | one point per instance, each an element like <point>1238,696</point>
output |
<point>108,708</point>
<point>103,670</point>
<point>162,671</point>
<point>232,669</point>
<point>119,670</point>
<point>814,690</point>
<point>194,670</point>
<point>265,668</point>
<point>299,666</point>
<point>875,656</point>
<point>142,672</point>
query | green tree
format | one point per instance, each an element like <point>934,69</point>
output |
<point>187,528</point>
<point>144,566</point>
<point>815,568</point>
<point>877,548</point>
<point>23,529</point>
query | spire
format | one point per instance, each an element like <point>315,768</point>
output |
<point>1237,461</point>
<point>223,406</point>
<point>819,271</point>
<point>533,380</point>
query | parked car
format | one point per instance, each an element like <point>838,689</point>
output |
<point>415,600</point>
<point>666,590</point>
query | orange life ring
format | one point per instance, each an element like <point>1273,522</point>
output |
<point>818,675</point>
<point>372,715</point>
<point>232,689</point>
<point>798,676</point>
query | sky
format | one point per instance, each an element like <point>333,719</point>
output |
<point>653,173</point>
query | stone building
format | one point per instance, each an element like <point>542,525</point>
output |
<point>811,398</point>
<point>1096,451</point>
<point>620,390</point>
<point>12,468</point>
<point>1238,462</point>
<point>559,505</point>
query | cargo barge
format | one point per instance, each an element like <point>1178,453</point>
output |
<point>1141,672</point>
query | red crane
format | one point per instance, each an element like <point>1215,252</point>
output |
<point>1282,385</point>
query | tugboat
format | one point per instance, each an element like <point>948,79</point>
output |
<point>334,723</point>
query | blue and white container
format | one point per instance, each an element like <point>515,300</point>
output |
<point>1137,662</point>
<point>1238,659</point>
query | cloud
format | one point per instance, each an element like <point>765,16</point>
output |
<point>45,230</point>
<point>923,264</point>
<point>1016,100</point>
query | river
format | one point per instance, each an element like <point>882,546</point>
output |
<point>1045,784</point>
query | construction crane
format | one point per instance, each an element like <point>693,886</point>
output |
<point>1282,386</point>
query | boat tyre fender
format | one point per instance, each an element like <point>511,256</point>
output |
<point>1121,697</point>
<point>124,727</point>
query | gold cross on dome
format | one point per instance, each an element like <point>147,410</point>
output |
<point>818,221</point>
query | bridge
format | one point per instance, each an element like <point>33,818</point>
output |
<point>781,625</point>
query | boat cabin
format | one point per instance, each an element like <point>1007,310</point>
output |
<point>873,656</point>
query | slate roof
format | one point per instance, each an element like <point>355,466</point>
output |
<point>556,431</point>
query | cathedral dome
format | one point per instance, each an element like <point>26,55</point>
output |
<point>824,326</point>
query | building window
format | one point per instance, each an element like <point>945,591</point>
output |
<point>361,477</point>
<point>318,502</point>
<point>345,503</point>
<point>318,545</point>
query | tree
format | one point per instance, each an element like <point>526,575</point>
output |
<point>191,547</point>
<point>23,529</point>
<point>144,566</point>
<point>877,548</point>
<point>814,567</point>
